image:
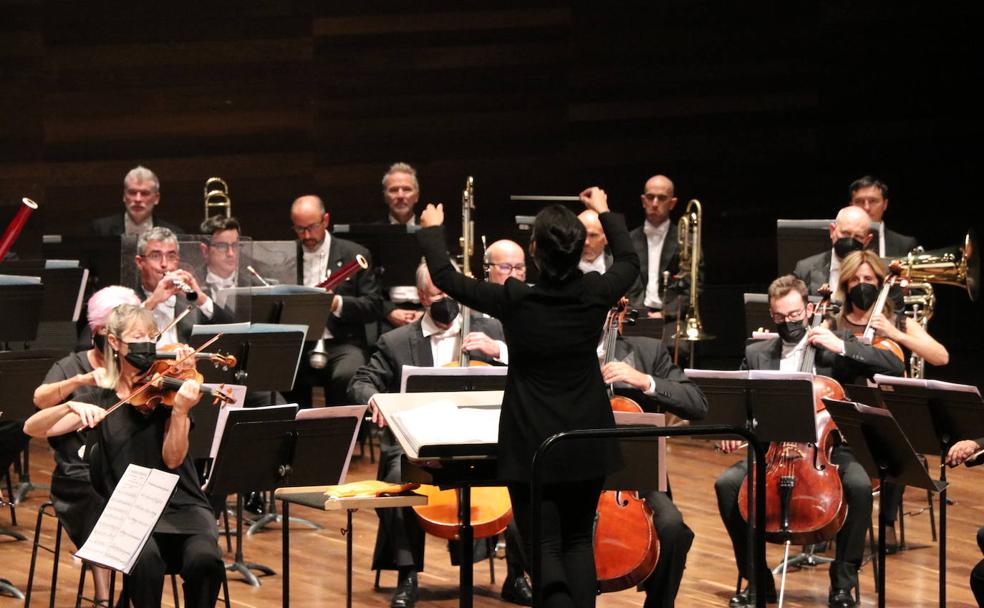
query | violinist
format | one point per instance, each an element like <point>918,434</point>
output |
<point>843,357</point>
<point>185,539</point>
<point>426,342</point>
<point>76,503</point>
<point>643,370</point>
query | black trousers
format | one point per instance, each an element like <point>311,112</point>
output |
<point>850,538</point>
<point>195,557</point>
<point>567,513</point>
<point>343,361</point>
<point>675,539</point>
<point>977,574</point>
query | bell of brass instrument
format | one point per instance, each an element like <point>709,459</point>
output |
<point>959,266</point>
<point>217,197</point>
<point>689,327</point>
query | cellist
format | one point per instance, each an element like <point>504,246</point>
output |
<point>840,355</point>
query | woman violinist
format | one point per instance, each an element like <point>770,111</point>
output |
<point>554,382</point>
<point>186,538</point>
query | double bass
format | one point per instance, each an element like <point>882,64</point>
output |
<point>804,498</point>
<point>626,547</point>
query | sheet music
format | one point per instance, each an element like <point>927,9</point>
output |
<point>129,518</point>
<point>343,411</point>
<point>442,422</point>
<point>774,374</point>
<point>238,392</point>
<point>481,370</point>
<point>936,385</point>
<point>716,373</point>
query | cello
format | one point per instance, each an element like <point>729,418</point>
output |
<point>804,498</point>
<point>626,547</point>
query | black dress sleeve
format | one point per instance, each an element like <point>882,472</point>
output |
<point>625,265</point>
<point>483,296</point>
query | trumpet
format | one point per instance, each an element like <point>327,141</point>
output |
<point>690,328</point>
<point>217,196</point>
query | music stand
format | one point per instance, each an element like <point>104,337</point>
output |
<point>646,327</point>
<point>20,300</point>
<point>393,248</point>
<point>265,354</point>
<point>884,451</point>
<point>240,415</point>
<point>101,255</point>
<point>934,416</point>
<point>290,305</point>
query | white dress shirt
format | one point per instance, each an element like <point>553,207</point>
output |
<point>444,341</point>
<point>792,356</point>
<point>595,265</point>
<point>655,237</point>
<point>164,314</point>
<point>835,270</point>
<point>316,270</point>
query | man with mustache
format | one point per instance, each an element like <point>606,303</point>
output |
<point>141,195</point>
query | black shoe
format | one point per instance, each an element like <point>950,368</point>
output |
<point>840,598</point>
<point>406,592</point>
<point>891,541</point>
<point>516,590</point>
<point>744,597</point>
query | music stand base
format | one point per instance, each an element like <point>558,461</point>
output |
<point>269,518</point>
<point>12,533</point>
<point>20,493</point>
<point>807,559</point>
<point>7,588</point>
<point>245,569</point>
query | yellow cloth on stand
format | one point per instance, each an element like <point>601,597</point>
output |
<point>369,487</point>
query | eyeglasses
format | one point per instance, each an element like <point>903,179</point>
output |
<point>505,267</point>
<point>649,196</point>
<point>309,228</point>
<point>796,315</point>
<point>225,247</point>
<point>157,256</point>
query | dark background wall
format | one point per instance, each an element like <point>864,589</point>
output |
<point>758,109</point>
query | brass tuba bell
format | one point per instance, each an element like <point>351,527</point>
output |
<point>217,196</point>
<point>959,265</point>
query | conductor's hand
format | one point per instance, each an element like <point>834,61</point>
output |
<point>476,340</point>
<point>89,414</point>
<point>617,371</point>
<point>823,337</point>
<point>187,397</point>
<point>595,199</point>
<point>730,446</point>
<point>432,215</point>
<point>961,451</point>
<point>377,416</point>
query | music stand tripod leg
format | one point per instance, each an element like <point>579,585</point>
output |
<point>802,559</point>
<point>25,484</point>
<point>239,564</point>
<point>274,517</point>
<point>12,533</point>
<point>7,588</point>
<point>466,572</point>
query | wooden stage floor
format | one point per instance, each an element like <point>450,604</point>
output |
<point>318,556</point>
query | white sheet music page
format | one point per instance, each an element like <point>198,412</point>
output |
<point>442,422</point>
<point>129,518</point>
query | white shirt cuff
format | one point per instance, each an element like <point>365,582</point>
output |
<point>207,307</point>
<point>503,352</point>
<point>652,387</point>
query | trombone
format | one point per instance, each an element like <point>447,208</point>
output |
<point>217,197</point>
<point>689,328</point>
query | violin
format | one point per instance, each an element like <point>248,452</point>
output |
<point>626,546</point>
<point>804,498</point>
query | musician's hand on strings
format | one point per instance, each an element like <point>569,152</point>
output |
<point>187,397</point>
<point>961,451</point>
<point>595,199</point>
<point>88,414</point>
<point>883,327</point>
<point>823,337</point>
<point>399,317</point>
<point>730,446</point>
<point>432,215</point>
<point>617,371</point>
<point>476,340</point>
<point>183,353</point>
<point>377,415</point>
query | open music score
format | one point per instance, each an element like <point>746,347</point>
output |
<point>129,518</point>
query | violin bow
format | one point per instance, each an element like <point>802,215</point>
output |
<point>176,320</point>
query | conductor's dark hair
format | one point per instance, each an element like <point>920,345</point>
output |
<point>866,182</point>
<point>559,238</point>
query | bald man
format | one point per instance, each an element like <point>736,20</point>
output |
<point>357,301</point>
<point>504,259</point>
<point>593,257</point>
<point>850,231</point>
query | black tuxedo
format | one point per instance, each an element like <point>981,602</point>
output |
<point>361,304</point>
<point>669,260</point>
<point>814,271</point>
<point>859,360</point>
<point>898,245</point>
<point>399,538</point>
<point>675,393</point>
<point>114,225</point>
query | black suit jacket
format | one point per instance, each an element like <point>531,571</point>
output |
<point>814,271</point>
<point>552,329</point>
<point>362,300</point>
<point>113,225</point>
<point>405,345</point>
<point>898,245</point>
<point>669,260</point>
<point>858,361</point>
<point>675,393</point>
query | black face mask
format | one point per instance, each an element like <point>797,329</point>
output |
<point>863,295</point>
<point>141,355</point>
<point>444,311</point>
<point>791,331</point>
<point>845,246</point>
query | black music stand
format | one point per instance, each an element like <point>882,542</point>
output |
<point>280,453</point>
<point>646,327</point>
<point>884,451</point>
<point>393,248</point>
<point>934,416</point>
<point>775,410</point>
<point>100,254</point>
<point>265,354</point>
<point>20,299</point>
<point>290,305</point>
<point>236,416</point>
